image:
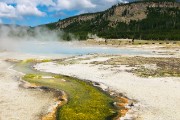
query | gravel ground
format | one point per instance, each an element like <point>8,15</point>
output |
<point>18,103</point>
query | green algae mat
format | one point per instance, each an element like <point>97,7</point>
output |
<point>85,102</point>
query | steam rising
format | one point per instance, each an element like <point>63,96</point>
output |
<point>94,36</point>
<point>42,41</point>
<point>14,37</point>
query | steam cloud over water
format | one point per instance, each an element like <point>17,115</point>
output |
<point>14,37</point>
<point>41,40</point>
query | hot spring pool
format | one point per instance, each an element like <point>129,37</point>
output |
<point>72,48</point>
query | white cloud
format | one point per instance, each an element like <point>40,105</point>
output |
<point>30,2</point>
<point>104,4</point>
<point>7,11</point>
<point>28,10</point>
<point>21,8</point>
<point>84,5</point>
<point>73,5</point>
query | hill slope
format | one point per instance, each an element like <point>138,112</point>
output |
<point>140,20</point>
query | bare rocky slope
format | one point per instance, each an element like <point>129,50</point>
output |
<point>120,13</point>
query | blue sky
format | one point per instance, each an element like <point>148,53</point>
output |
<point>36,12</point>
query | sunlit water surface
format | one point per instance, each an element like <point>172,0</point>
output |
<point>72,48</point>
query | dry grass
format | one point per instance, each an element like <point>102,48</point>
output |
<point>165,67</point>
<point>136,42</point>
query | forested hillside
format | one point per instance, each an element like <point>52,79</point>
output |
<point>157,20</point>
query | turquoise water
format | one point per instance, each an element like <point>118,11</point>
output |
<point>73,49</point>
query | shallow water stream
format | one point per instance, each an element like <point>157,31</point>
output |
<point>84,100</point>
